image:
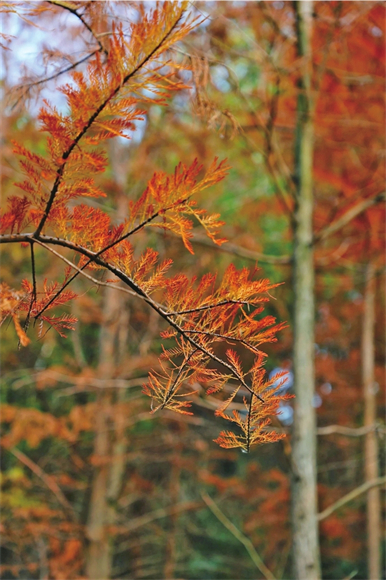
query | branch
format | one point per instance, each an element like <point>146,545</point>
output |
<point>348,216</point>
<point>340,430</point>
<point>240,251</point>
<point>136,523</point>
<point>65,6</point>
<point>352,495</point>
<point>26,324</point>
<point>81,271</point>
<point>17,238</point>
<point>47,479</point>
<point>208,307</point>
<point>171,390</point>
<point>102,251</point>
<point>230,339</point>
<point>81,383</point>
<point>349,431</point>
<point>89,123</point>
<point>239,536</point>
<point>27,87</point>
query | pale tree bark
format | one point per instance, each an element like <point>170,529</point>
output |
<point>306,560</point>
<point>371,442</point>
<point>109,446</point>
<point>174,493</point>
<point>110,437</point>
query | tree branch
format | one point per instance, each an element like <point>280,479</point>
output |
<point>136,523</point>
<point>256,559</point>
<point>17,238</point>
<point>47,479</point>
<point>349,215</point>
<point>237,250</point>
<point>65,6</point>
<point>351,495</point>
<point>34,293</point>
<point>349,431</point>
<point>26,87</point>
<point>91,120</point>
<point>83,273</point>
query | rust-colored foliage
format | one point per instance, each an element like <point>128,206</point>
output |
<point>128,72</point>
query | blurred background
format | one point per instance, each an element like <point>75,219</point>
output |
<point>91,481</point>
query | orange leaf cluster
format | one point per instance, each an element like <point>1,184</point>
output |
<point>202,318</point>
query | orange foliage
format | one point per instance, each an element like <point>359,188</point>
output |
<point>129,71</point>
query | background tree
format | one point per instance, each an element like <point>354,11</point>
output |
<point>281,132</point>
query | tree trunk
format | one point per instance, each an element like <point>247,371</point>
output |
<point>306,562</point>
<point>110,437</point>
<point>371,443</point>
<point>108,470</point>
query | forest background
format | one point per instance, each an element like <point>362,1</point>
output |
<point>172,503</point>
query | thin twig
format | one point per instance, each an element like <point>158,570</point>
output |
<point>256,559</point>
<point>341,430</point>
<point>230,339</point>
<point>171,390</point>
<point>83,21</point>
<point>29,86</point>
<point>349,215</point>
<point>80,271</point>
<point>136,523</point>
<point>249,422</point>
<point>349,431</point>
<point>47,479</point>
<point>379,481</point>
<point>34,292</point>
<point>208,307</point>
<point>240,251</point>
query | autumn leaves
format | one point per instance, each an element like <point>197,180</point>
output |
<point>215,326</point>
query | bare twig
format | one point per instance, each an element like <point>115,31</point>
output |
<point>237,250</point>
<point>136,523</point>
<point>83,273</point>
<point>380,481</point>
<point>349,431</point>
<point>47,479</point>
<point>349,215</point>
<point>26,87</point>
<point>80,383</point>
<point>256,559</point>
<point>34,293</point>
<point>73,11</point>
<point>340,430</point>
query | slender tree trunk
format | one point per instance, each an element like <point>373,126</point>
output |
<point>110,442</point>
<point>99,556</point>
<point>174,493</point>
<point>371,443</point>
<point>306,562</point>
<point>110,436</point>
